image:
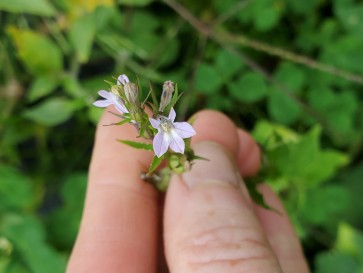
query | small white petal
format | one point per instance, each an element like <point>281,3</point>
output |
<point>122,79</point>
<point>161,143</point>
<point>172,115</point>
<point>104,94</point>
<point>154,123</point>
<point>184,129</point>
<point>121,108</point>
<point>177,143</point>
<point>102,103</point>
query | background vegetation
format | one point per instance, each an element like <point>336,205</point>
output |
<point>287,70</point>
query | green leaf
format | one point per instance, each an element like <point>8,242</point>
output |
<point>42,86</point>
<point>39,54</point>
<point>251,87</point>
<point>27,234</point>
<point>290,76</point>
<point>350,241</point>
<point>226,64</point>
<point>15,188</point>
<point>302,160</point>
<point>36,7</point>
<point>282,108</point>
<point>207,79</point>
<point>335,262</point>
<point>137,145</point>
<point>155,163</point>
<point>81,35</point>
<point>351,17</point>
<point>138,3</point>
<point>51,112</point>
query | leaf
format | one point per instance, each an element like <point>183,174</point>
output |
<point>251,87</point>
<point>350,241</point>
<point>40,55</point>
<point>81,35</point>
<point>335,262</point>
<point>51,112</point>
<point>282,108</point>
<point>42,86</point>
<point>207,79</point>
<point>27,234</point>
<point>227,64</point>
<point>155,163</point>
<point>137,145</point>
<point>290,76</point>
<point>138,3</point>
<point>15,188</point>
<point>35,7</point>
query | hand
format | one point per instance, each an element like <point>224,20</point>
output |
<point>210,222</point>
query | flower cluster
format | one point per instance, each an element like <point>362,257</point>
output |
<point>169,137</point>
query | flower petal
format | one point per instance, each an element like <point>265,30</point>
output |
<point>104,94</point>
<point>176,142</point>
<point>154,123</point>
<point>161,143</point>
<point>184,129</point>
<point>121,108</point>
<point>172,115</point>
<point>122,79</point>
<point>102,103</point>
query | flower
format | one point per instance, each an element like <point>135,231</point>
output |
<point>170,134</point>
<point>111,98</point>
<point>130,89</point>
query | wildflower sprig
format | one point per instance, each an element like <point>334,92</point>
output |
<point>170,139</point>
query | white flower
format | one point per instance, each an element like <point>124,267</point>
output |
<point>110,99</point>
<point>170,134</point>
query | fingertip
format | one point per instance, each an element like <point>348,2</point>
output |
<point>214,126</point>
<point>249,155</point>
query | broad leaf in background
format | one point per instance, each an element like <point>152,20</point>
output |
<point>15,189</point>
<point>36,7</point>
<point>208,80</point>
<point>250,87</point>
<point>42,86</point>
<point>69,214</point>
<point>28,237</point>
<point>52,112</point>
<point>39,54</point>
<point>227,64</point>
<point>290,77</point>
<point>139,3</point>
<point>81,35</point>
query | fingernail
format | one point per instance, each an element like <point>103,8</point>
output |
<point>218,168</point>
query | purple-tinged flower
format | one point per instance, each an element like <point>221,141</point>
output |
<point>122,79</point>
<point>168,89</point>
<point>110,99</point>
<point>170,134</point>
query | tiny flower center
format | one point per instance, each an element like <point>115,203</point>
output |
<point>165,124</point>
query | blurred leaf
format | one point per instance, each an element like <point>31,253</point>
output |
<point>135,2</point>
<point>350,241</point>
<point>81,35</point>
<point>303,7</point>
<point>335,262</point>
<point>251,87</point>
<point>351,16</point>
<point>39,54</point>
<point>36,7</point>
<point>28,236</point>
<point>78,8</point>
<point>137,145</point>
<point>301,161</point>
<point>69,214</point>
<point>154,164</point>
<point>41,86</point>
<point>51,112</point>
<point>281,107</point>
<point>226,64</point>
<point>290,76</point>
<point>207,79</point>
<point>15,188</point>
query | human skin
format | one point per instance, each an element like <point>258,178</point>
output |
<point>210,223</point>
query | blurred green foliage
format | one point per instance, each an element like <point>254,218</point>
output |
<point>287,70</point>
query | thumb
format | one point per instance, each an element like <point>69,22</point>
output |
<point>210,224</point>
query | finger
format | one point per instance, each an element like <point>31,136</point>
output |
<point>280,234</point>
<point>215,126</point>
<point>210,225</point>
<point>249,155</point>
<point>119,227</point>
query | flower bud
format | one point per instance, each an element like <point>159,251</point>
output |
<point>131,92</point>
<point>168,89</point>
